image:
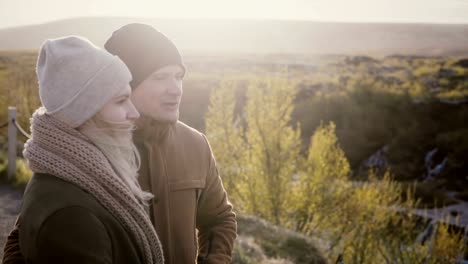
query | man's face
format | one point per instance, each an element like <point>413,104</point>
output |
<point>159,95</point>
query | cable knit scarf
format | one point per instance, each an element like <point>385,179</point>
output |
<point>59,150</point>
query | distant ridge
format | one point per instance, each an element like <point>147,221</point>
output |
<point>263,36</point>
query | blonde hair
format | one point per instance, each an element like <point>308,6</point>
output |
<point>114,139</point>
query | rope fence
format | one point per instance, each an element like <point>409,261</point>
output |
<point>20,129</point>
<point>13,128</point>
<point>4,125</point>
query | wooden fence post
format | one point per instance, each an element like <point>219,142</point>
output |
<point>11,143</point>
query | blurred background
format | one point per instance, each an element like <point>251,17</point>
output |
<point>340,127</point>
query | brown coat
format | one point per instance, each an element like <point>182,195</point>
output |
<point>178,167</point>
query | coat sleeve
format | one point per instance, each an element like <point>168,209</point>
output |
<point>11,251</point>
<point>73,235</point>
<point>216,222</point>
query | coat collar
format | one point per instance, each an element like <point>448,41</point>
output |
<point>150,130</point>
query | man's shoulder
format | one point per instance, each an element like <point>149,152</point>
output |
<point>187,133</point>
<point>189,141</point>
<point>181,127</point>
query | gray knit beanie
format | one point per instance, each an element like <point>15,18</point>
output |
<point>76,78</point>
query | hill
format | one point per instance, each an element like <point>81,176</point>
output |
<point>263,36</point>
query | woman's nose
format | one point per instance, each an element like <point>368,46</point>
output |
<point>133,113</point>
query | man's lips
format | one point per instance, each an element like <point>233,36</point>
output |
<point>171,105</point>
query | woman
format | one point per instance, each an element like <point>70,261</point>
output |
<point>84,204</point>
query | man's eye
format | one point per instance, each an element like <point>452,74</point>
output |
<point>158,77</point>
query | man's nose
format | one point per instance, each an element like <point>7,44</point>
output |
<point>175,88</point>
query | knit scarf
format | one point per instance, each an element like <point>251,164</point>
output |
<point>57,149</point>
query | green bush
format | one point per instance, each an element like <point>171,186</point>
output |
<point>23,173</point>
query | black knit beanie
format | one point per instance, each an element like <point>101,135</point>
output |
<point>143,49</point>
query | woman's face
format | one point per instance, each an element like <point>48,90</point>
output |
<point>120,109</point>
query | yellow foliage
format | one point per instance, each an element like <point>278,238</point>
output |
<point>259,157</point>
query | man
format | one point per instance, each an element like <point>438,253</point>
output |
<point>178,166</point>
<point>190,209</point>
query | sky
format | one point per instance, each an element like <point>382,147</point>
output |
<point>25,12</point>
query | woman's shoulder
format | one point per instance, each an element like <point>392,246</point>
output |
<point>71,234</point>
<point>46,195</point>
<point>56,210</point>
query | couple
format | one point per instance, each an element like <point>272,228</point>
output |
<point>97,194</point>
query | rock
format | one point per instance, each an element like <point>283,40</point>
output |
<point>446,73</point>
<point>462,63</point>
<point>433,169</point>
<point>378,159</point>
<point>357,60</point>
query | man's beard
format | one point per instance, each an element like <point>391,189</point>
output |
<point>159,118</point>
<point>115,142</point>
